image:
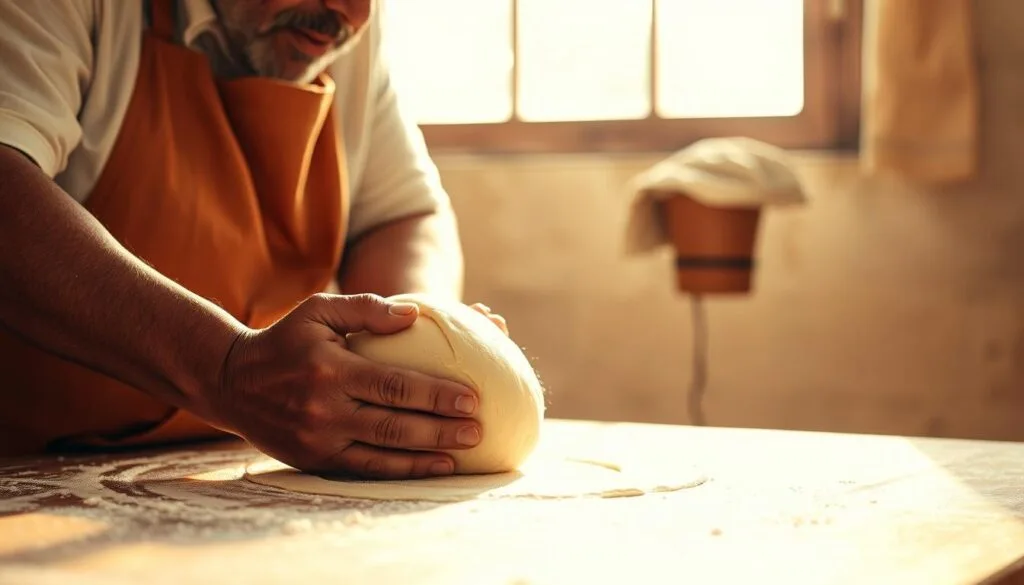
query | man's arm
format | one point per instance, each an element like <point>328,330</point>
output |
<point>421,253</point>
<point>68,286</point>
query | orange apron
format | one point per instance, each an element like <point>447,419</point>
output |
<point>235,189</point>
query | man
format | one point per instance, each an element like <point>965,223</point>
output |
<point>178,181</point>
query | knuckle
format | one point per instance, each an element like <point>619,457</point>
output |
<point>439,436</point>
<point>434,394</point>
<point>318,300</point>
<point>314,307</point>
<point>359,379</point>
<point>388,431</point>
<point>366,300</point>
<point>318,371</point>
<point>391,388</point>
<point>312,417</point>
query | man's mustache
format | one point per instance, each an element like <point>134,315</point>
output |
<point>325,22</point>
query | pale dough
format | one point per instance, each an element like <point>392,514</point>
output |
<point>539,478</point>
<point>452,341</point>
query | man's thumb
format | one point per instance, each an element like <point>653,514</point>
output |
<point>366,312</point>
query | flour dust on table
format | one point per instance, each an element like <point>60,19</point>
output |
<point>543,477</point>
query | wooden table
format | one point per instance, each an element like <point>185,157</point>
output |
<point>780,507</point>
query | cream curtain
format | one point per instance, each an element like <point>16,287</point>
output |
<point>920,110</point>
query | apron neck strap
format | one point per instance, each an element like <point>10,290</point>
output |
<point>161,14</point>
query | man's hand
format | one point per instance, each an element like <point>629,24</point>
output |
<point>494,317</point>
<point>295,392</point>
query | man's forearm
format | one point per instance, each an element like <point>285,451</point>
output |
<point>67,286</point>
<point>416,254</point>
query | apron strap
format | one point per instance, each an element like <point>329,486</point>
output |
<point>161,14</point>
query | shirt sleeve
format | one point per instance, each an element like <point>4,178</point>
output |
<point>399,178</point>
<point>46,55</point>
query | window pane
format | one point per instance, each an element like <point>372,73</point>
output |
<point>730,58</point>
<point>451,60</point>
<point>584,59</point>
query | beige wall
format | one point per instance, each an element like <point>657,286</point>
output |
<point>879,307</point>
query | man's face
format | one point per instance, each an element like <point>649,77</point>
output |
<point>294,40</point>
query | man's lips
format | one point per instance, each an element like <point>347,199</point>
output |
<point>310,42</point>
<point>315,36</point>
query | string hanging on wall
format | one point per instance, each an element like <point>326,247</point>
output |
<point>698,361</point>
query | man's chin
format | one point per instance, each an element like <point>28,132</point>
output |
<point>296,70</point>
<point>276,56</point>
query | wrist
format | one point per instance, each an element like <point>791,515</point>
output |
<point>200,364</point>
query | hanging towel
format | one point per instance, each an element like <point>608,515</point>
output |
<point>920,111</point>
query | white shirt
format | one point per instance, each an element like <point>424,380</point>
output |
<point>68,69</point>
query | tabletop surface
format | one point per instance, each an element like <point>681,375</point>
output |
<point>778,507</point>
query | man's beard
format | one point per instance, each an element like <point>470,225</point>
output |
<point>261,56</point>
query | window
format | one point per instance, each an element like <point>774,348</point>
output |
<point>625,75</point>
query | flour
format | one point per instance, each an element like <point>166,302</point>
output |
<point>298,526</point>
<point>180,497</point>
<point>190,501</point>
<point>541,478</point>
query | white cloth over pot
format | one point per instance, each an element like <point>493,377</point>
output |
<point>716,172</point>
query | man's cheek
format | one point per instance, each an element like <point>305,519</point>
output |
<point>356,12</point>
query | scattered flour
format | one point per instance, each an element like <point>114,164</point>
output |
<point>298,526</point>
<point>184,496</point>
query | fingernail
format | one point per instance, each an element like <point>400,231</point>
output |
<point>484,307</point>
<point>465,404</point>
<point>468,436</point>
<point>441,468</point>
<point>402,309</point>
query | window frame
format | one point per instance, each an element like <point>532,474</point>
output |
<point>830,118</point>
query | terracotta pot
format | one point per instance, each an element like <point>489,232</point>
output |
<point>714,246</point>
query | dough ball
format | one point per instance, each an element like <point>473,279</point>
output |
<point>452,341</point>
